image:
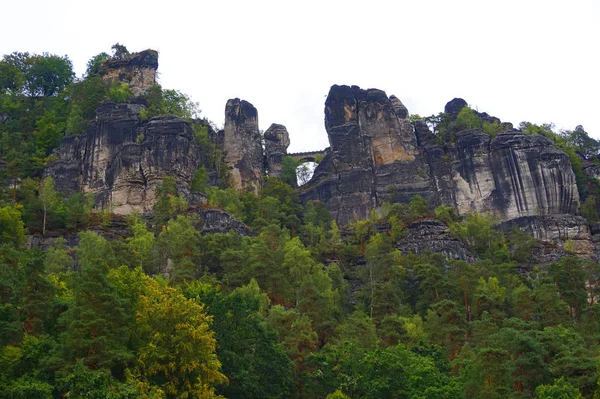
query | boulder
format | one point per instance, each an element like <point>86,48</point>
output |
<point>454,106</point>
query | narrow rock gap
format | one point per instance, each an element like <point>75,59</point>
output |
<point>144,178</point>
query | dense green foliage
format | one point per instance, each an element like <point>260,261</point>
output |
<point>270,315</point>
<point>41,101</point>
<point>297,308</point>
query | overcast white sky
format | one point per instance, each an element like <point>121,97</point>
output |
<point>518,60</point>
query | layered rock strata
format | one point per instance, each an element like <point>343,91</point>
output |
<point>433,235</point>
<point>373,155</point>
<point>511,176</point>
<point>137,70</point>
<point>377,155</point>
<point>121,160</point>
<point>242,145</point>
<point>277,140</point>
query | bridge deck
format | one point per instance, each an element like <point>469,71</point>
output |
<point>309,156</point>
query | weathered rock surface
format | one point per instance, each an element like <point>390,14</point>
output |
<point>121,160</point>
<point>456,105</point>
<point>242,145</point>
<point>277,140</point>
<point>511,176</point>
<point>373,155</point>
<point>137,70</point>
<point>377,155</point>
<point>433,235</point>
<point>117,230</point>
<point>218,221</point>
<point>557,229</point>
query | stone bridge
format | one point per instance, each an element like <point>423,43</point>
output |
<point>310,156</point>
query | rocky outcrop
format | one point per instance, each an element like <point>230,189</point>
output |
<point>511,176</point>
<point>373,155</point>
<point>137,70</point>
<point>242,145</point>
<point>433,235</point>
<point>215,221</point>
<point>121,160</point>
<point>277,140</point>
<point>377,154</point>
<point>560,229</point>
<point>453,108</point>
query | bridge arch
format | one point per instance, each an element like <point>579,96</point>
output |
<point>303,175</point>
<point>310,156</point>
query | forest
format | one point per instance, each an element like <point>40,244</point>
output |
<point>147,306</point>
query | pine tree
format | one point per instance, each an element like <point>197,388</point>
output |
<point>99,323</point>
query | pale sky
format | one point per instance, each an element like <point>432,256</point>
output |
<point>518,60</point>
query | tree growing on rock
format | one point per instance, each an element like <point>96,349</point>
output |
<point>120,51</point>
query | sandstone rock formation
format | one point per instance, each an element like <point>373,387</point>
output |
<point>242,145</point>
<point>277,140</point>
<point>377,155</point>
<point>433,235</point>
<point>454,106</point>
<point>138,71</point>
<point>218,221</point>
<point>557,229</point>
<point>511,176</point>
<point>121,160</point>
<point>373,155</point>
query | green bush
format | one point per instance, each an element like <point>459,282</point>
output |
<point>200,180</point>
<point>467,119</point>
<point>119,92</point>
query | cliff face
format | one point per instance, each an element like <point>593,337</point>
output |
<point>373,154</point>
<point>433,235</point>
<point>377,155</point>
<point>137,70</point>
<point>511,176</point>
<point>121,160</point>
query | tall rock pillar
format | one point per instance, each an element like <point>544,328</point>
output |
<point>374,155</point>
<point>137,70</point>
<point>242,145</point>
<point>277,140</point>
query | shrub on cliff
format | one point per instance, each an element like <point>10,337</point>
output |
<point>119,92</point>
<point>170,102</point>
<point>467,119</point>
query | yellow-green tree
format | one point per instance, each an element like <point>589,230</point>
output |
<point>178,350</point>
<point>12,229</point>
<point>142,244</point>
